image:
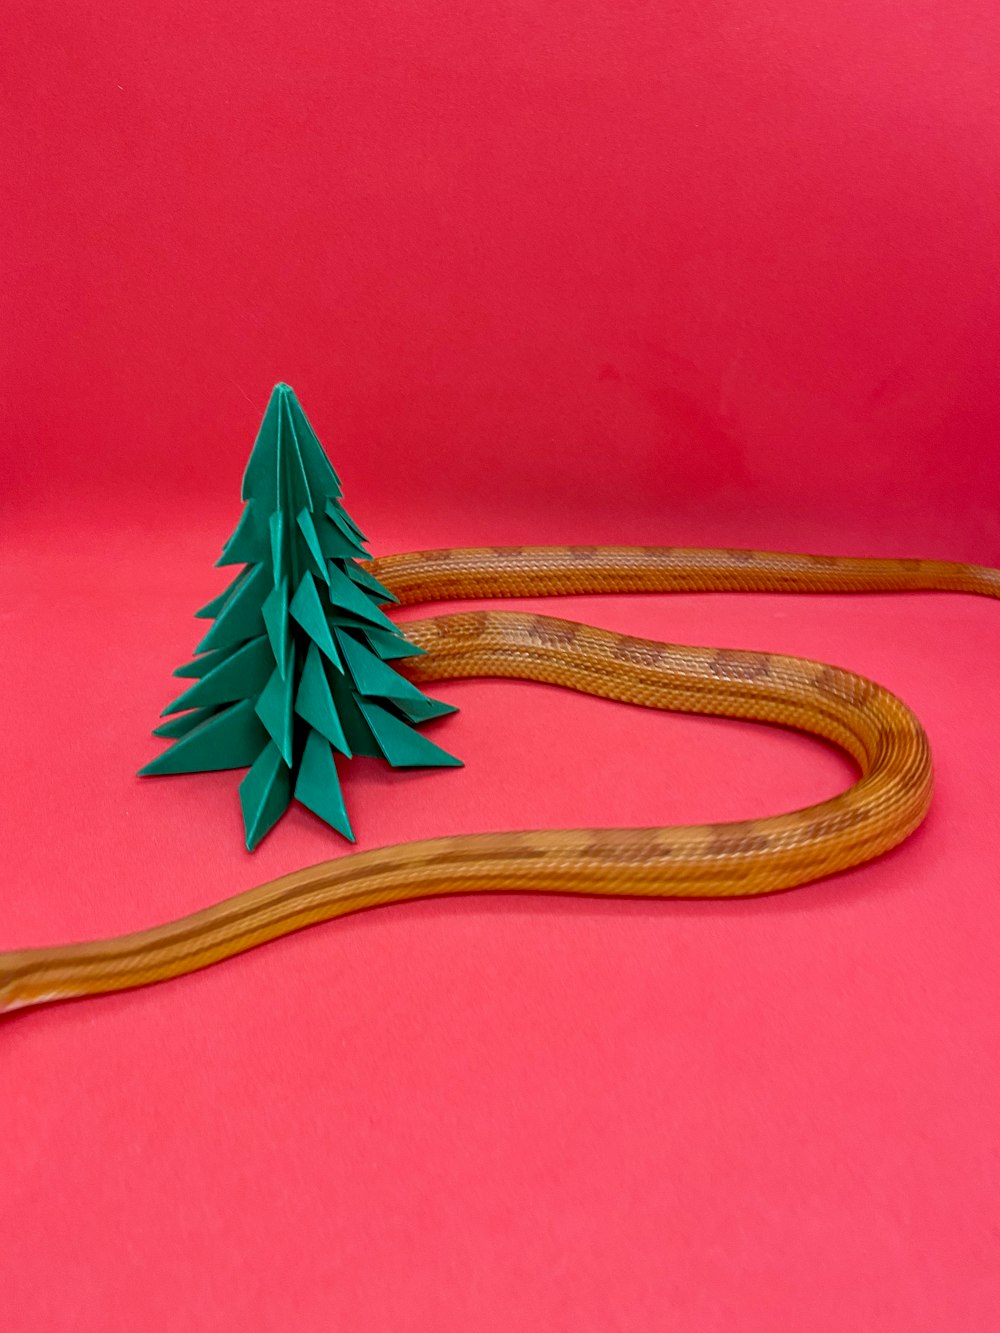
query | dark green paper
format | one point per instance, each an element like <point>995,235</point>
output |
<point>295,665</point>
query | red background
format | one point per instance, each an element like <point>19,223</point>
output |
<point>539,272</point>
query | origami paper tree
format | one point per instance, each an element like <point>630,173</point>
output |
<point>295,665</point>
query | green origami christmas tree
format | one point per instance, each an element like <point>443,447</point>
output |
<point>296,664</point>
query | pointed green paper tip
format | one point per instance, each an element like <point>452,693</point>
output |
<point>283,393</point>
<point>264,794</point>
<point>318,785</point>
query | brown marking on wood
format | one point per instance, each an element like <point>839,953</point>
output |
<point>421,632</point>
<point>843,687</point>
<point>732,664</point>
<point>508,852</point>
<point>847,817</point>
<point>639,652</point>
<point>467,625</point>
<point>627,846</point>
<point>737,840</point>
<point>828,681</point>
<point>552,633</point>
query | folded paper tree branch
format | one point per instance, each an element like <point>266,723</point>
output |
<point>296,663</point>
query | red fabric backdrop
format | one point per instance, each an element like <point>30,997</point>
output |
<point>540,272</point>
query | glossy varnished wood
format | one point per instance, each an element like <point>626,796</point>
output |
<point>880,733</point>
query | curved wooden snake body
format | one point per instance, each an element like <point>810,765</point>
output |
<point>759,856</point>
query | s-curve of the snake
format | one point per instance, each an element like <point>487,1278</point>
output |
<point>877,730</point>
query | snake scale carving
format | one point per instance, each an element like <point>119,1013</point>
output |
<point>759,856</point>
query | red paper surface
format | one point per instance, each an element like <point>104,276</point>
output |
<point>590,273</point>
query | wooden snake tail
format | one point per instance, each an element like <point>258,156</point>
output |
<point>713,860</point>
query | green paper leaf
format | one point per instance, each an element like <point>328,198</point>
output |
<point>212,609</point>
<point>264,794</point>
<point>240,675</point>
<point>247,545</point>
<point>347,596</point>
<point>308,529</point>
<point>318,785</point>
<point>274,708</point>
<point>231,738</point>
<point>359,734</point>
<point>369,582</point>
<point>321,478</point>
<point>374,678</point>
<point>390,645</point>
<point>334,544</point>
<point>343,520</point>
<point>314,702</point>
<point>242,616</point>
<point>369,672</point>
<point>288,467</point>
<point>308,611</point>
<point>275,612</point>
<point>295,494</point>
<point>260,480</point>
<point>418,707</point>
<point>201,666</point>
<point>184,722</point>
<point>279,549</point>
<point>400,744</point>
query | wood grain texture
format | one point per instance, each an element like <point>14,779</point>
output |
<point>886,741</point>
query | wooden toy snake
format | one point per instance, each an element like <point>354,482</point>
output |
<point>741,859</point>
